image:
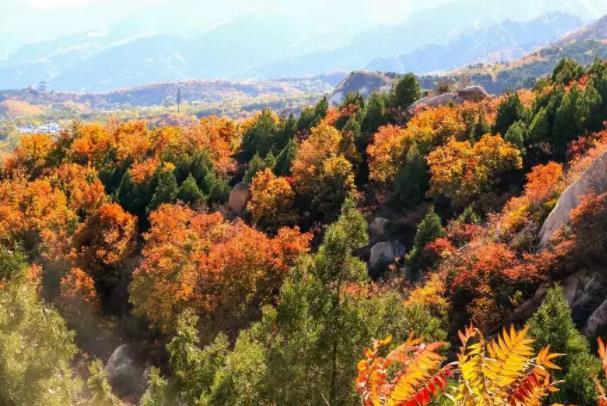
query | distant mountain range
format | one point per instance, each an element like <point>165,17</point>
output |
<point>502,42</point>
<point>583,45</point>
<point>275,45</point>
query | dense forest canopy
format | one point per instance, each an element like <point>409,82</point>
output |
<point>366,251</point>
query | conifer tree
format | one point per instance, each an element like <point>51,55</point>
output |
<point>552,325</point>
<point>166,190</point>
<point>189,191</point>
<point>428,230</point>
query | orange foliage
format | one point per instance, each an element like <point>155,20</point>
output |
<point>202,261</point>
<point>34,212</point>
<point>104,240</point>
<point>133,141</point>
<point>219,137</point>
<point>92,145</point>
<point>78,294</point>
<point>17,108</point>
<point>386,153</point>
<point>602,393</point>
<point>332,116</point>
<point>84,191</point>
<point>30,156</point>
<point>143,171</point>
<point>272,199</point>
<point>409,375</point>
<point>544,182</point>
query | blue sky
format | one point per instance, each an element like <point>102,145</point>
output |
<point>26,21</point>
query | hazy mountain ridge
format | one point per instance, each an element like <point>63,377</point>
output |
<point>248,47</point>
<point>502,42</point>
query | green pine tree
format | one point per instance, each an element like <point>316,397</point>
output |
<point>509,111</point>
<point>406,91</point>
<point>552,325</point>
<point>189,192</point>
<point>412,180</point>
<point>166,190</point>
<point>428,230</point>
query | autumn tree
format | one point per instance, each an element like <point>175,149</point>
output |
<point>323,176</point>
<point>84,191</point>
<point>272,200</point>
<point>462,171</point>
<point>429,129</point>
<point>36,214</point>
<point>31,155</point>
<point>222,270</point>
<point>103,242</point>
<point>219,137</point>
<point>93,146</point>
<point>335,184</point>
<point>386,153</point>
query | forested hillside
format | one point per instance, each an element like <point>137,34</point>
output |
<point>366,252</point>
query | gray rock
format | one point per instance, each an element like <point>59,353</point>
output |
<point>596,321</point>
<point>125,373</point>
<point>473,94</point>
<point>377,228</point>
<point>239,196</point>
<point>435,101</point>
<point>385,252</point>
<point>593,180</point>
<point>470,93</point>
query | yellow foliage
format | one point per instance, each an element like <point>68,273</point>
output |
<point>503,371</point>
<point>323,142</point>
<point>462,171</point>
<point>272,199</point>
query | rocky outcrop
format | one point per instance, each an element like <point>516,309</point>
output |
<point>584,291</point>
<point>377,228</point>
<point>384,253</point>
<point>125,373</point>
<point>363,82</point>
<point>239,196</point>
<point>471,93</point>
<point>593,180</point>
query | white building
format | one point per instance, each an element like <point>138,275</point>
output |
<point>48,128</point>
